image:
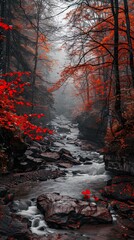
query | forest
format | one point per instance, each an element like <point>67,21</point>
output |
<point>67,135</point>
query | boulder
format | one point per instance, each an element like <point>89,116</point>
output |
<point>28,152</point>
<point>50,156</point>
<point>66,212</point>
<point>10,226</point>
<point>63,129</point>
<point>64,151</point>
<point>67,157</point>
<point>35,149</point>
<point>65,165</point>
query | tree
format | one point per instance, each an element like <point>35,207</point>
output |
<point>100,44</point>
<point>30,48</point>
<point>14,124</point>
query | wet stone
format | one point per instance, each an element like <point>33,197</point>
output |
<point>8,225</point>
<point>50,156</point>
<point>65,165</point>
<point>28,152</point>
<point>64,151</point>
<point>67,157</point>
<point>66,212</point>
<point>87,163</point>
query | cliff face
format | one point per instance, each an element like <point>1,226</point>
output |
<point>91,129</point>
<point>120,161</point>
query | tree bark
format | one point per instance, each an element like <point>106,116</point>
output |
<point>131,56</point>
<point>115,11</point>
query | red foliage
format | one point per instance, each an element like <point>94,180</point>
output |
<point>87,194</point>
<point>9,119</point>
<point>5,26</point>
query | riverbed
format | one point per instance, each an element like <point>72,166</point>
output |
<point>90,174</point>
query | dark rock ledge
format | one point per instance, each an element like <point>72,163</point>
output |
<point>66,212</point>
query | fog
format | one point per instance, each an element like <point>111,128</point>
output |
<point>64,97</point>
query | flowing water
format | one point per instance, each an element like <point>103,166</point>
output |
<point>78,178</point>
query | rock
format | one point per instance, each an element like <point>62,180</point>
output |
<point>3,191</point>
<point>58,144</point>
<point>122,191</point>
<point>121,207</point>
<point>120,160</point>
<point>87,147</point>
<point>38,160</point>
<point>36,222</point>
<point>35,149</point>
<point>66,212</point>
<point>65,165</point>
<point>67,157</point>
<point>82,159</point>
<point>28,152</point>
<point>87,163</point>
<point>76,162</point>
<point>16,206</point>
<point>76,172</point>
<point>89,159</point>
<point>8,198</point>
<point>24,166</point>
<point>64,151</point>
<point>63,129</point>
<point>29,158</point>
<point>60,236</point>
<point>50,156</point>
<point>10,226</point>
<point>37,144</point>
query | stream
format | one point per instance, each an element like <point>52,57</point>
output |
<point>91,175</point>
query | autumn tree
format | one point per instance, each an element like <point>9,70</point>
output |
<point>29,48</point>
<point>100,44</point>
<point>17,64</point>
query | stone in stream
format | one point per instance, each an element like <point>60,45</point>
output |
<point>64,151</point>
<point>10,226</point>
<point>28,152</point>
<point>35,149</point>
<point>63,129</point>
<point>50,156</point>
<point>66,212</point>
<point>65,165</point>
<point>67,157</point>
<point>87,147</point>
<point>88,163</point>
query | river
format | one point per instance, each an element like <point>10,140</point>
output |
<point>78,178</point>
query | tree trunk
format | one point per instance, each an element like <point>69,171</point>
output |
<point>131,56</point>
<point>115,11</point>
<point>36,53</point>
